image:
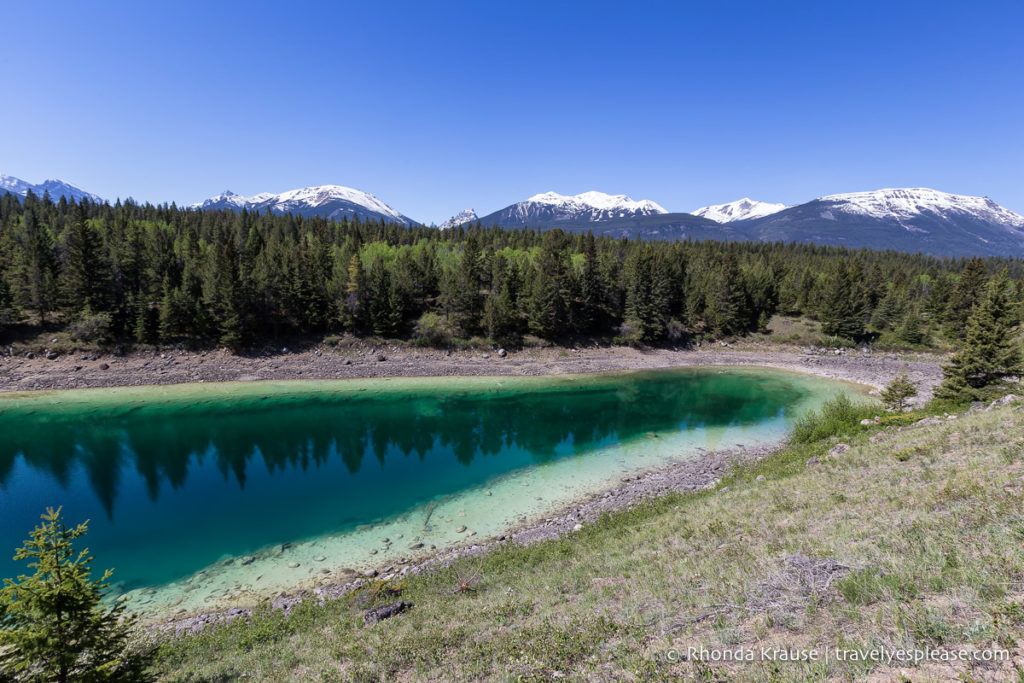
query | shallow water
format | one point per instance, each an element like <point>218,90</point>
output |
<point>306,479</point>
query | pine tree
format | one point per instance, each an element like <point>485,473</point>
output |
<point>461,293</point>
<point>967,292</point>
<point>842,307</point>
<point>725,309</point>
<point>897,392</point>
<point>645,305</point>
<point>54,625</point>
<point>910,329</point>
<point>989,353</point>
<point>549,293</point>
<point>84,273</point>
<point>590,316</point>
<point>34,272</point>
<point>7,313</point>
<point>888,311</point>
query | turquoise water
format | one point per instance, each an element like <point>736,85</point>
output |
<point>177,479</point>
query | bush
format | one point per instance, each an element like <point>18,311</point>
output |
<point>92,328</point>
<point>433,330</point>
<point>838,417</point>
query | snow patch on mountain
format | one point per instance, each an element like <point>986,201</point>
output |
<point>319,195</point>
<point>615,205</point>
<point>738,210</point>
<point>55,188</point>
<point>902,204</point>
<point>329,201</point>
<point>461,218</point>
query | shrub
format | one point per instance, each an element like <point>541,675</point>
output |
<point>838,417</point>
<point>92,328</point>
<point>433,330</point>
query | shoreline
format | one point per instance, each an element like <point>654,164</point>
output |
<point>683,476</point>
<point>98,371</point>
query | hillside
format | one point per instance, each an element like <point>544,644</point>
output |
<point>911,538</point>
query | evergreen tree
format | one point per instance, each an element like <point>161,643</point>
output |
<point>888,311</point>
<point>897,392</point>
<point>549,296</point>
<point>591,315</point>
<point>761,285</point>
<point>33,275</point>
<point>989,353</point>
<point>500,318</point>
<point>842,307</point>
<point>645,302</point>
<point>910,329</point>
<point>53,623</point>
<point>725,310</point>
<point>7,313</point>
<point>965,295</point>
<point>461,290</point>
<point>84,274</point>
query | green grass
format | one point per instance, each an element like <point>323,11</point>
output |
<point>928,522</point>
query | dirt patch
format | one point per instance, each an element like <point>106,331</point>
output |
<point>800,581</point>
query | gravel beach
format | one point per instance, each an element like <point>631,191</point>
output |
<point>90,370</point>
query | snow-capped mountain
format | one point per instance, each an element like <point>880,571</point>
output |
<point>912,203</point>
<point>56,189</point>
<point>334,202</point>
<point>551,209</point>
<point>739,210</point>
<point>902,219</point>
<point>461,218</point>
<point>905,219</point>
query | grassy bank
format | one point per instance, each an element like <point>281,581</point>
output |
<point>913,537</point>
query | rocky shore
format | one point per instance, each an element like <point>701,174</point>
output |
<point>92,370</point>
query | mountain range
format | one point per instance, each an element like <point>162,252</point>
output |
<point>55,188</point>
<point>901,219</point>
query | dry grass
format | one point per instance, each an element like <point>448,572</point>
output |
<point>911,538</point>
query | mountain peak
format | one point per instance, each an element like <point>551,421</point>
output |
<point>600,201</point>
<point>461,218</point>
<point>328,201</point>
<point>738,210</point>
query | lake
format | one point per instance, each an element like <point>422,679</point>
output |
<point>209,493</point>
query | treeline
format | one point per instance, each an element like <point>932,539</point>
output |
<point>131,273</point>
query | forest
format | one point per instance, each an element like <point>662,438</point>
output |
<point>129,274</point>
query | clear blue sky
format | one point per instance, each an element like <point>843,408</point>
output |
<point>439,106</point>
